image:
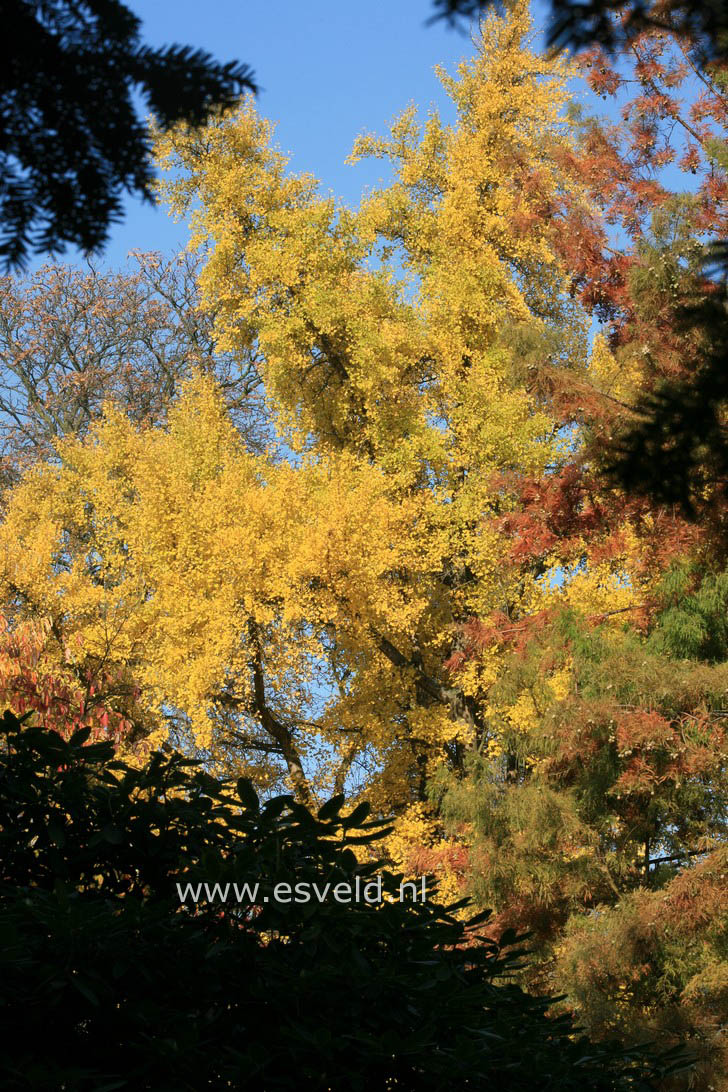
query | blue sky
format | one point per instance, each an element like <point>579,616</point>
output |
<point>328,70</point>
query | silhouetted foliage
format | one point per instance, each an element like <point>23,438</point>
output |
<point>71,141</point>
<point>677,450</point>
<point>576,25</point>
<point>109,981</point>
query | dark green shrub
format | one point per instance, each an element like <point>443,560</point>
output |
<point>108,982</point>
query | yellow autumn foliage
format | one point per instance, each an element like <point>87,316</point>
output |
<point>288,614</point>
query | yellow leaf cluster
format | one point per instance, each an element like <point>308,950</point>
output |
<point>289,613</point>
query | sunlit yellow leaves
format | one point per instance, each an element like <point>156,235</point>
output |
<point>175,540</point>
<point>290,612</point>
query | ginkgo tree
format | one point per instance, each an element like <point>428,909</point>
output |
<point>291,613</point>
